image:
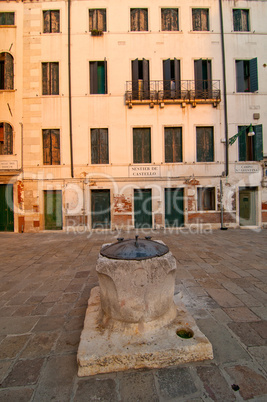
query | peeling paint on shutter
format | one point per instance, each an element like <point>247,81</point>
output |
<point>173,144</point>
<point>139,19</point>
<point>47,159</point>
<point>45,79</point>
<point>103,141</point>
<point>205,144</point>
<point>146,85</point>
<point>169,19</point>
<point>54,75</point>
<point>9,74</point>
<point>8,139</point>
<point>253,70</point>
<point>134,19</point>
<point>46,17</point>
<point>55,21</point>
<point>258,143</point>
<point>141,145</point>
<point>55,147</point>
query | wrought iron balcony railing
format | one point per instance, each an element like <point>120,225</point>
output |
<point>186,91</point>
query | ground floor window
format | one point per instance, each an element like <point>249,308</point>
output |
<point>206,198</point>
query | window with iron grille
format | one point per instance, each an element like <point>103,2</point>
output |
<point>6,139</point>
<point>97,19</point>
<point>205,144</point>
<point>200,18</point>
<point>241,20</point>
<point>99,146</point>
<point>250,148</point>
<point>51,147</point>
<point>173,144</point>
<point>50,78</point>
<point>139,19</point>
<point>51,21</point>
<point>98,77</point>
<point>206,198</point>
<point>247,75</point>
<point>169,19</point>
<point>6,71</point>
<point>141,145</point>
<point>7,18</point>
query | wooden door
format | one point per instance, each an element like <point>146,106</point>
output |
<point>174,207</point>
<point>100,209</point>
<point>53,209</point>
<point>143,208</point>
<point>6,208</point>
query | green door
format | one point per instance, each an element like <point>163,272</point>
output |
<point>143,208</point>
<point>100,207</point>
<point>53,209</point>
<point>174,207</point>
<point>247,206</point>
<point>6,208</point>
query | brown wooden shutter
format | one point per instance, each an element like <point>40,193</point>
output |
<point>93,77</point>
<point>94,146</point>
<point>8,139</point>
<point>54,74</point>
<point>204,19</point>
<point>9,73</point>
<point>196,18</point>
<point>55,21</point>
<point>134,19</point>
<point>103,142</point>
<point>45,79</point>
<point>101,20</point>
<point>46,17</point>
<point>205,144</point>
<point>143,19</point>
<point>55,147</point>
<point>47,157</point>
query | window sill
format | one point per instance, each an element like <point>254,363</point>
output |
<point>7,90</point>
<point>8,26</point>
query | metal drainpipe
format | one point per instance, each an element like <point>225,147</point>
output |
<point>224,93</point>
<point>69,78</point>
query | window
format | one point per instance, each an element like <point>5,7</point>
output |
<point>99,146</point>
<point>203,82</point>
<point>205,144</point>
<point>6,71</point>
<point>6,139</point>
<point>200,19</point>
<point>98,77</point>
<point>206,199</point>
<point>173,144</point>
<point>140,79</point>
<point>50,78</point>
<point>51,21</point>
<point>141,145</point>
<point>97,19</point>
<point>171,79</point>
<point>139,19</point>
<point>250,148</point>
<point>51,147</point>
<point>241,20</point>
<point>247,75</point>
<point>169,19</point>
<point>7,18</point>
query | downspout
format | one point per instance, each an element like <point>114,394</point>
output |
<point>69,78</point>
<point>21,155</point>
<point>224,93</point>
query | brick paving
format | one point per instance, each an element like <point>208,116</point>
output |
<point>46,279</point>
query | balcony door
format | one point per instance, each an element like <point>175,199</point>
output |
<point>140,79</point>
<point>203,80</point>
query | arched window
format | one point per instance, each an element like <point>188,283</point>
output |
<point>6,139</point>
<point>6,71</point>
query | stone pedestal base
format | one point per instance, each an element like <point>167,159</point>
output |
<point>112,346</point>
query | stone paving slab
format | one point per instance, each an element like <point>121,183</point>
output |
<point>45,284</point>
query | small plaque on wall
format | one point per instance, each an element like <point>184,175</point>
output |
<point>246,168</point>
<point>8,165</point>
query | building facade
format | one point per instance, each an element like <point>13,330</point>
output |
<point>122,115</point>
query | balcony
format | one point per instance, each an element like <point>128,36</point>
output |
<point>173,92</point>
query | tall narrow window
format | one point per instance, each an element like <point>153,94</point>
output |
<point>247,75</point>
<point>203,80</point>
<point>51,147</point>
<point>50,78</point>
<point>241,20</point>
<point>250,148</point>
<point>171,79</point>
<point>6,71</point>
<point>206,199</point>
<point>98,77</point>
<point>99,146</point>
<point>205,144</point>
<point>6,139</point>
<point>7,18</point>
<point>141,145</point>
<point>200,19</point>
<point>140,79</point>
<point>169,19</point>
<point>97,19</point>
<point>51,21</point>
<point>139,19</point>
<point>173,144</point>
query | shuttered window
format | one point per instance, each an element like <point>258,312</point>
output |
<point>51,147</point>
<point>200,17</point>
<point>171,79</point>
<point>241,20</point>
<point>139,19</point>
<point>173,144</point>
<point>250,148</point>
<point>51,21</point>
<point>247,75</point>
<point>6,139</point>
<point>99,146</point>
<point>50,78</point>
<point>6,71</point>
<point>98,77</point>
<point>205,144</point>
<point>141,145</point>
<point>169,19</point>
<point>140,79</point>
<point>7,18</point>
<point>97,19</point>
<point>206,199</point>
<point>203,79</point>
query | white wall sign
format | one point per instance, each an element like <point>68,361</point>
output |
<point>144,171</point>
<point>246,168</point>
<point>8,165</point>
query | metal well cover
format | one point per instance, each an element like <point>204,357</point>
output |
<point>138,249</point>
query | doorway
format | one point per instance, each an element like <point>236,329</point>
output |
<point>248,206</point>
<point>53,209</point>
<point>100,207</point>
<point>174,207</point>
<point>6,208</point>
<point>143,208</point>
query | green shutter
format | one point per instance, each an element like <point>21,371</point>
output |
<point>258,143</point>
<point>237,20</point>
<point>253,71</point>
<point>137,145</point>
<point>242,145</point>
